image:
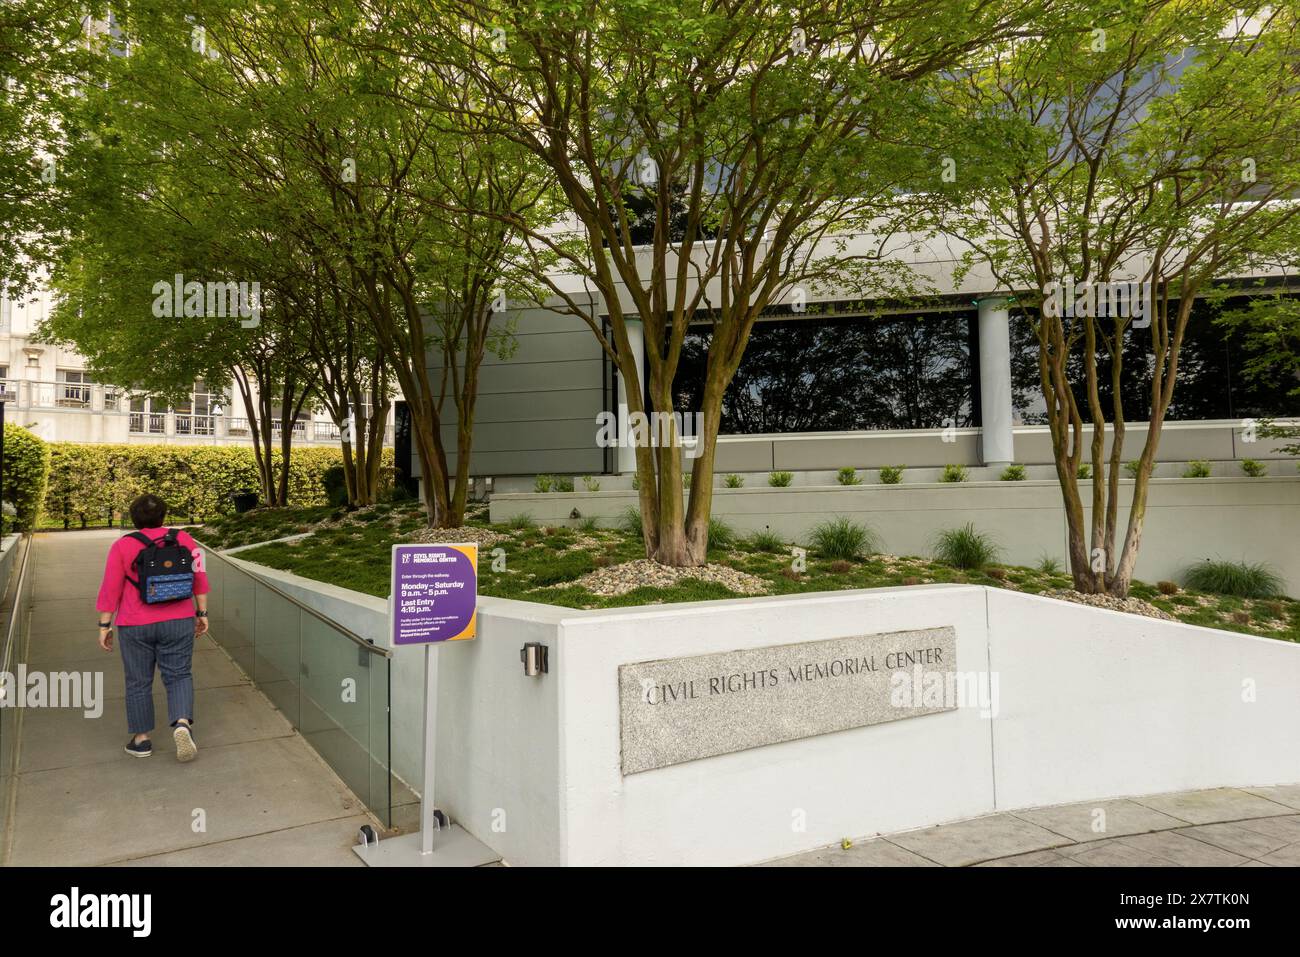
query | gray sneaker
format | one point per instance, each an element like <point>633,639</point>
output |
<point>186,749</point>
<point>138,749</point>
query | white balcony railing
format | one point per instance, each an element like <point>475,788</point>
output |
<point>188,424</point>
<point>87,396</point>
<point>95,398</point>
<point>148,423</point>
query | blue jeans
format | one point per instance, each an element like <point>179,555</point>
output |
<point>169,645</point>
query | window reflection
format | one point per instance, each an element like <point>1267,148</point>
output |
<point>1211,383</point>
<point>844,373</point>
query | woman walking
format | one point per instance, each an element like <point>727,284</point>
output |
<point>155,584</point>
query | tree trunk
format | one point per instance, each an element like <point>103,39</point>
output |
<point>259,430</point>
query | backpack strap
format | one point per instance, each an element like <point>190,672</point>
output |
<point>147,542</point>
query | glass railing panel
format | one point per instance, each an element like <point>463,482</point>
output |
<point>338,698</point>
<point>276,659</point>
<point>8,717</point>
<point>14,598</point>
<point>236,632</point>
<point>382,783</point>
<point>333,686</point>
<point>216,572</point>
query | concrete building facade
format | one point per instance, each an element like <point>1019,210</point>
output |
<point>49,390</point>
<point>854,378</point>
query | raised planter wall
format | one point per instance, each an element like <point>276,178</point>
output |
<point>1187,519</point>
<point>1092,704</point>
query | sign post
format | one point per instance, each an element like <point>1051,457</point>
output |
<point>434,601</point>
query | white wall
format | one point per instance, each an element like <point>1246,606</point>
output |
<point>1187,519</point>
<point>743,807</point>
<point>1092,705</point>
<point>1097,703</point>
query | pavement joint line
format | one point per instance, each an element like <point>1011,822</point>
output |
<point>1066,841</point>
<point>230,840</point>
<point>114,756</point>
<point>905,849</point>
<point>1026,820</point>
<point>293,733</point>
<point>1286,808</point>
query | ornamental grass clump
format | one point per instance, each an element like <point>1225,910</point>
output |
<point>766,541</point>
<point>721,535</point>
<point>630,521</point>
<point>1238,579</point>
<point>844,539</point>
<point>965,547</point>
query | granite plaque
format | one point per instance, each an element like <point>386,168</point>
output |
<point>681,709</point>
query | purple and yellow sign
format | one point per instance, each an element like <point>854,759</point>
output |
<point>435,591</point>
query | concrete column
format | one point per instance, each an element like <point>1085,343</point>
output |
<point>636,339</point>
<point>997,443</point>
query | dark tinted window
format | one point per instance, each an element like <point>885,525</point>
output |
<point>857,372</point>
<point>1210,381</point>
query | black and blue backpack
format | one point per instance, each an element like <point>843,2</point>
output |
<point>164,569</point>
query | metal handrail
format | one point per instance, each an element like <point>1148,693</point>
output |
<point>15,612</point>
<point>365,643</point>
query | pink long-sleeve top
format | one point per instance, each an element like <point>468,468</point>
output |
<point>116,594</point>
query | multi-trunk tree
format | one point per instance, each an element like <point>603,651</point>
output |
<point>149,208</point>
<point>716,159</point>
<point>1154,154</point>
<point>405,215</point>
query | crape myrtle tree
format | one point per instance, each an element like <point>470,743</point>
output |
<point>146,203</point>
<point>353,385</point>
<point>188,81</point>
<point>103,308</point>
<point>1157,144</point>
<point>716,158</point>
<point>406,214</point>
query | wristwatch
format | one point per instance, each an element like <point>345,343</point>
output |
<point>105,624</point>
<point>200,614</point>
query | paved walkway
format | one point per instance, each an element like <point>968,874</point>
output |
<point>257,794</point>
<point>1224,827</point>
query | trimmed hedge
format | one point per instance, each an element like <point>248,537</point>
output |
<point>87,482</point>
<point>26,471</point>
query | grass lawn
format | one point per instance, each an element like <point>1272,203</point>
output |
<point>542,565</point>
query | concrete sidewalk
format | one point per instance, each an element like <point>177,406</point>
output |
<point>256,795</point>
<point>1223,827</point>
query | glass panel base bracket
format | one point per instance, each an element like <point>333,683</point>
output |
<point>452,847</point>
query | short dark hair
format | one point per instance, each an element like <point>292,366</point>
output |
<point>148,511</point>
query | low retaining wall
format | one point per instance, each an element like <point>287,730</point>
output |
<point>1224,442</point>
<point>1090,705</point>
<point>8,552</point>
<point>1187,519</point>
